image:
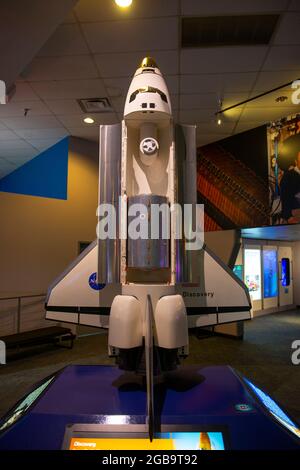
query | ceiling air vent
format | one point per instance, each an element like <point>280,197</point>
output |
<point>95,105</point>
<point>217,31</point>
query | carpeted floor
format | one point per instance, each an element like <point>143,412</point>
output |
<point>264,356</point>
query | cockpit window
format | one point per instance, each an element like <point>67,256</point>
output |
<point>148,89</point>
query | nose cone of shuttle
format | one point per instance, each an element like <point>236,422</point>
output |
<point>148,97</point>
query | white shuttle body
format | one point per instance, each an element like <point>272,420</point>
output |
<point>147,291</point>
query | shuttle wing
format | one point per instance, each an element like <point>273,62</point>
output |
<point>76,296</point>
<point>219,296</point>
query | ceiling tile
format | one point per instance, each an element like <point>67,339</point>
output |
<point>283,58</point>
<point>23,92</point>
<point>89,133</point>
<point>2,126</point>
<point>199,101</point>
<point>125,64</point>
<point>172,82</point>
<point>269,101</point>
<point>294,5</point>
<point>118,104</point>
<point>66,40</point>
<point>196,115</point>
<point>232,115</point>
<point>268,80</point>
<point>265,115</point>
<point>18,155</point>
<point>68,89</point>
<point>95,10</point>
<point>118,87</point>
<point>213,128</point>
<point>14,145</point>
<point>70,18</point>
<point>7,135</point>
<point>64,106</point>
<point>73,121</point>
<point>16,109</point>
<point>29,134</point>
<point>232,99</point>
<point>205,139</point>
<point>31,122</point>
<point>43,144</point>
<point>60,68</point>
<point>6,167</point>
<point>289,29</point>
<point>219,7</point>
<point>222,59</point>
<point>132,35</point>
<point>218,83</point>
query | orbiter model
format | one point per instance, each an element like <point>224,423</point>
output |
<point>147,291</point>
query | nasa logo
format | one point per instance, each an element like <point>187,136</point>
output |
<point>243,407</point>
<point>94,284</point>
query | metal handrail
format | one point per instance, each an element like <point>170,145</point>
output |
<point>19,299</point>
<point>22,297</point>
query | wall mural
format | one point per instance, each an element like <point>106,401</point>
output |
<point>252,179</point>
<point>284,164</point>
<point>233,181</point>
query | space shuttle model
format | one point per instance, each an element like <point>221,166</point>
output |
<point>147,290</point>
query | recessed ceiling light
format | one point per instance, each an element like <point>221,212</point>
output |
<point>89,120</point>
<point>123,3</point>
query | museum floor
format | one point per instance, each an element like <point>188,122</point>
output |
<point>264,356</point>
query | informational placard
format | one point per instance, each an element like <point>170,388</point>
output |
<point>102,437</point>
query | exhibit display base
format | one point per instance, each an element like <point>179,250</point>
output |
<point>100,407</point>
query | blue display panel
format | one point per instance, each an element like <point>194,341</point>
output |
<point>238,271</point>
<point>285,272</point>
<point>270,273</point>
<point>21,408</point>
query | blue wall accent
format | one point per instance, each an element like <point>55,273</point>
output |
<point>45,175</point>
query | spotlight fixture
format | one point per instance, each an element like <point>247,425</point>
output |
<point>89,120</point>
<point>218,113</point>
<point>281,99</point>
<point>123,3</point>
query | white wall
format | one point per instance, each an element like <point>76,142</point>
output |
<point>39,236</point>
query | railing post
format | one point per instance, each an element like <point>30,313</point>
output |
<point>19,315</point>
